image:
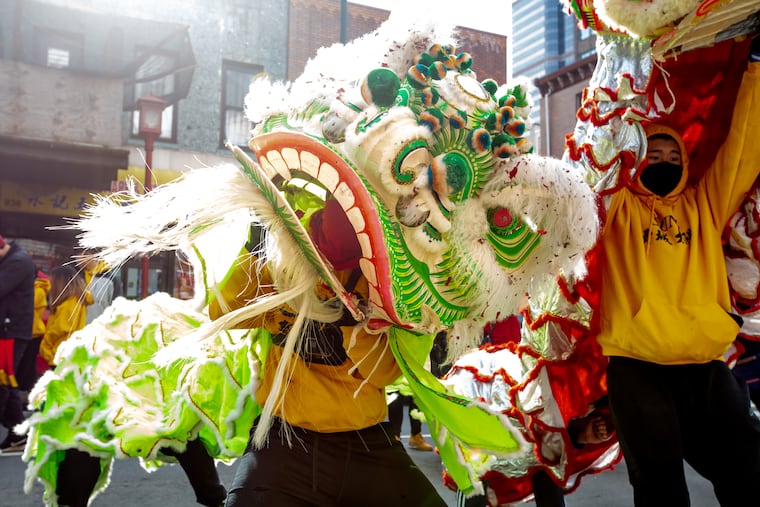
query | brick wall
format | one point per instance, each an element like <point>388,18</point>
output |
<point>316,23</point>
<point>489,53</point>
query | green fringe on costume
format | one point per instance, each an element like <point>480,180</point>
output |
<point>131,385</point>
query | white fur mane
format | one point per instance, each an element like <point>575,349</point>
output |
<point>643,19</point>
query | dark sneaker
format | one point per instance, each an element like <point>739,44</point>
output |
<point>13,443</point>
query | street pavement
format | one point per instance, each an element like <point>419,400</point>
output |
<point>131,486</point>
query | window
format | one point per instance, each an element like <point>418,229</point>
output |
<point>152,78</point>
<point>58,58</point>
<point>236,78</point>
<point>585,43</point>
<point>58,49</point>
<point>585,33</point>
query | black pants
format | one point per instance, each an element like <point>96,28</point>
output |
<point>25,362</point>
<point>11,409</point>
<point>699,413</point>
<point>11,404</point>
<point>365,467</point>
<point>748,368</point>
<point>545,491</point>
<point>78,473</point>
<point>396,415</point>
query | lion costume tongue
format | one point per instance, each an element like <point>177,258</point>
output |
<point>335,237</point>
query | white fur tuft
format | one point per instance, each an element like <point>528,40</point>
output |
<point>170,217</point>
<point>643,19</point>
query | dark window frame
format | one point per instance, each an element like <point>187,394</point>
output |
<point>236,104</point>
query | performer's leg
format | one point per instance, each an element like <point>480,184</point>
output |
<point>11,406</point>
<point>414,424</point>
<point>14,408</point>
<point>646,421</point>
<point>77,475</point>
<point>396,415</point>
<point>754,395</point>
<point>723,441</point>
<point>25,361</point>
<point>747,368</point>
<point>416,440</point>
<point>471,501</point>
<point>4,395</point>
<point>329,469</point>
<point>200,470</point>
<point>396,479</point>
<point>277,474</point>
<point>11,414</point>
<point>546,492</point>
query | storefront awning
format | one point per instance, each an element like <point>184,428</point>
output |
<point>75,165</point>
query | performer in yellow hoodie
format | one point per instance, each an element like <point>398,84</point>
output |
<point>665,320</point>
<point>68,298</point>
<point>328,433</point>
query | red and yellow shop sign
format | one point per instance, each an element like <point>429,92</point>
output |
<point>67,201</point>
<point>160,176</point>
<point>45,200</point>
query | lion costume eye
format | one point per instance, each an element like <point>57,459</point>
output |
<point>412,159</point>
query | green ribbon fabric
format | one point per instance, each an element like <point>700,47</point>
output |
<point>453,420</point>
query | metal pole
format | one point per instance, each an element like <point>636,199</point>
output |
<point>147,187</point>
<point>343,21</point>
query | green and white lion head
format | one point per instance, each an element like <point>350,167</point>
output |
<point>433,168</point>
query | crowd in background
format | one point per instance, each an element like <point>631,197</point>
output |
<point>39,311</point>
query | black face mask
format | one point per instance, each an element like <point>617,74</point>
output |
<point>661,178</point>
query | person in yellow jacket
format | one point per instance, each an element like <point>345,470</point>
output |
<point>68,299</point>
<point>100,285</point>
<point>665,320</point>
<point>41,312</point>
<point>329,433</point>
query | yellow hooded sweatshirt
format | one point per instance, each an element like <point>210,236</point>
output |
<point>41,288</point>
<point>318,397</point>
<point>67,317</point>
<point>664,291</point>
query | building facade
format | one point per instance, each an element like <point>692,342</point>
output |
<point>561,94</point>
<point>546,41</point>
<point>71,72</point>
<point>318,23</point>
